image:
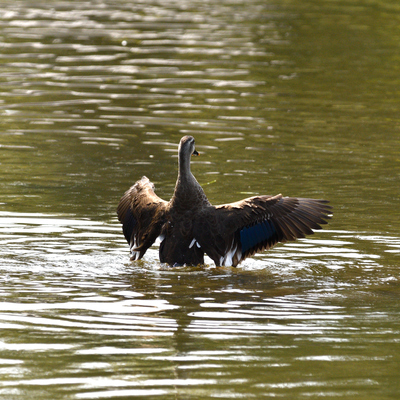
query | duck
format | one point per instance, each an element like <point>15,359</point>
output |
<point>189,226</point>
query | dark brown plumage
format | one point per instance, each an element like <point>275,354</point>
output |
<point>189,226</point>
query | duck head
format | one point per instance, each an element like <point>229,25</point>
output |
<point>187,148</point>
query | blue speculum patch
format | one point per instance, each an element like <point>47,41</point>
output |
<point>253,235</point>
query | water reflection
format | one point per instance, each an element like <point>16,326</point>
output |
<point>295,97</point>
<point>94,309</point>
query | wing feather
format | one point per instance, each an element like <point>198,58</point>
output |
<point>232,232</point>
<point>142,215</point>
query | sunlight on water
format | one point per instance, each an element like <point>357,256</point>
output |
<point>291,97</point>
<point>85,292</point>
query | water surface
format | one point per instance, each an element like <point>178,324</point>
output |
<point>291,97</point>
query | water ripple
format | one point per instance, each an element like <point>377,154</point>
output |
<point>73,281</point>
<point>96,94</point>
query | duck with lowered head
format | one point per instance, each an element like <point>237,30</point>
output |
<point>189,226</point>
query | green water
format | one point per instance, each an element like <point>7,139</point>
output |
<point>294,97</point>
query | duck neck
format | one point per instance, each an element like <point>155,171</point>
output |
<point>186,181</point>
<point>188,192</point>
<point>184,167</point>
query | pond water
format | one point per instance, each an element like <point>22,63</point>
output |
<point>293,97</point>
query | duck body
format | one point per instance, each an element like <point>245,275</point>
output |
<point>189,226</point>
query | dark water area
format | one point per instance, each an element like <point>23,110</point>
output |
<point>293,97</point>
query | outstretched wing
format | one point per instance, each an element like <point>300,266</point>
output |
<point>142,214</point>
<point>232,232</point>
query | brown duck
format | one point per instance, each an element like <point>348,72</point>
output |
<point>189,226</point>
